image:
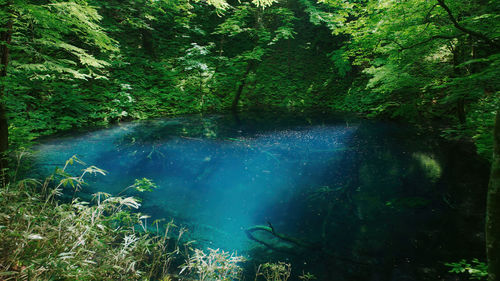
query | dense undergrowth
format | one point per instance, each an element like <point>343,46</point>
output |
<point>43,238</point>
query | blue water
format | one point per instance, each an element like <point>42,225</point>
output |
<point>218,175</point>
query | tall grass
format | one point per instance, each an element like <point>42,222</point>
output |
<point>104,239</point>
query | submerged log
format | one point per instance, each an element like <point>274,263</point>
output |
<point>302,244</point>
<point>270,229</point>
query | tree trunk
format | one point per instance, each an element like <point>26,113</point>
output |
<point>5,38</point>
<point>461,110</point>
<point>458,58</point>
<point>493,209</point>
<point>465,30</point>
<point>237,97</point>
<point>147,42</point>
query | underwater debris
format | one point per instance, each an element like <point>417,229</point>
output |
<point>301,244</point>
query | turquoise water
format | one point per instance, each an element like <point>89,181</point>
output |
<point>374,198</point>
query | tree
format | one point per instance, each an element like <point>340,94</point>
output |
<point>47,42</point>
<point>6,18</point>
<point>260,26</point>
<point>423,58</point>
<point>493,209</point>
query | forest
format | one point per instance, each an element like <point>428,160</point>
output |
<point>352,140</point>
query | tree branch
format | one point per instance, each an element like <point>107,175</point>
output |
<point>297,242</point>
<point>432,38</point>
<point>466,30</point>
<point>428,15</point>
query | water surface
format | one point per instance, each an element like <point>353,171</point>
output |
<point>377,200</point>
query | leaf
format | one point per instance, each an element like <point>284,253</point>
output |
<point>35,237</point>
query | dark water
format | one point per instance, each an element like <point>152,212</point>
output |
<point>369,200</point>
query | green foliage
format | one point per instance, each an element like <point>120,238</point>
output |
<point>479,125</point>
<point>307,276</point>
<point>48,50</point>
<point>76,64</point>
<point>279,271</point>
<point>340,61</point>
<point>476,270</point>
<point>57,48</point>
<point>421,61</point>
<point>144,184</point>
<point>214,265</point>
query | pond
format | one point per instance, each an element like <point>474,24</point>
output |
<point>355,199</point>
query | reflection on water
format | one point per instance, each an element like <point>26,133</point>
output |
<point>376,200</point>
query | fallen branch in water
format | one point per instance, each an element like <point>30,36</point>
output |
<point>281,236</point>
<point>312,246</point>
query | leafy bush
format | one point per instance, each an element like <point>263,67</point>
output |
<point>476,270</point>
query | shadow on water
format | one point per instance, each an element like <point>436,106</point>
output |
<point>367,200</point>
